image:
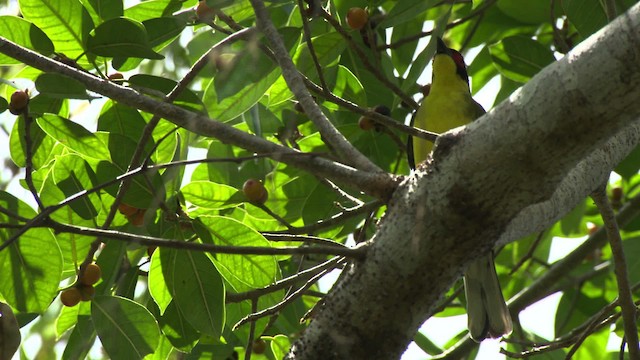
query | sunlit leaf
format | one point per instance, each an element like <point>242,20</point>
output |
<point>126,329</point>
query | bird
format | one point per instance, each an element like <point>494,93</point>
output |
<point>449,105</point>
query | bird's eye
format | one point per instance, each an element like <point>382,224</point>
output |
<point>457,58</point>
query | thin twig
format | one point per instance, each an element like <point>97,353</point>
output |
<point>305,238</point>
<point>620,269</point>
<point>357,252</point>
<point>335,219</point>
<point>278,218</point>
<point>528,255</point>
<point>346,151</point>
<point>365,61</point>
<point>284,283</point>
<point>478,11</point>
<point>13,215</point>
<point>306,31</point>
<point>252,331</point>
<point>287,300</point>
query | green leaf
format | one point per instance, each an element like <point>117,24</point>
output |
<point>241,70</point>
<point>117,118</point>
<point>197,289</point>
<point>574,309</point>
<point>422,59</point>
<point>66,22</point>
<point>73,136</point>
<point>41,104</point>
<point>574,223</point>
<point>404,11</point>
<point>126,329</point>
<point>42,145</point>
<point>81,339</point>
<point>587,16</point>
<point>174,326</point>
<point>328,48</point>
<point>61,87</point>
<point>121,37</point>
<point>519,58</point>
<point>161,31</point>
<point>72,175</point>
<point>141,195</point>
<point>157,284</point>
<point>243,272</point>
<point>31,266</point>
<point>630,165</point>
<point>4,105</point>
<point>25,34</point>
<point>107,9</point>
<point>232,107</point>
<point>146,10</point>
<point>209,195</point>
<point>402,56</point>
<point>280,346</point>
<point>529,12</point>
<point>481,70</point>
<point>425,344</point>
<point>631,248</point>
<point>349,87</point>
<point>187,99</point>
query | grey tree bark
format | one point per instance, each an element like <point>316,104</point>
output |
<point>515,171</point>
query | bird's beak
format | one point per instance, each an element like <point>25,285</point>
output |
<point>441,47</point>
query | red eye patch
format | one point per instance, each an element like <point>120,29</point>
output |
<point>457,58</point>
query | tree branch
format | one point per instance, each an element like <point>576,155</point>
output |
<point>513,172</point>
<point>625,298</point>
<point>377,184</point>
<point>333,137</point>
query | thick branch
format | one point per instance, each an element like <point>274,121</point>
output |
<point>513,172</point>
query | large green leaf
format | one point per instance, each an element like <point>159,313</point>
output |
<point>42,145</point>
<point>197,289</point>
<point>106,10</point>
<point>72,175</point>
<point>519,58</point>
<point>126,329</point>
<point>81,339</point>
<point>24,34</point>
<point>31,266</point>
<point>61,87</point>
<point>402,56</point>
<point>209,195</point>
<point>73,136</point>
<point>233,106</point>
<point>157,284</point>
<point>587,16</point>
<point>243,272</point>
<point>146,10</point>
<point>349,87</point>
<point>187,98</point>
<point>175,327</point>
<point>404,11</point>
<point>121,37</point>
<point>233,76</point>
<point>66,22</point>
<point>141,194</point>
<point>481,70</point>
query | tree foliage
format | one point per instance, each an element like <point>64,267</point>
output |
<point>194,265</point>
